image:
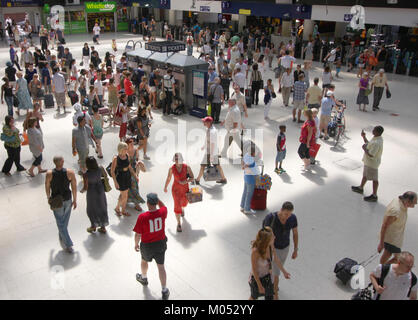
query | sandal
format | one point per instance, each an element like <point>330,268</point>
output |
<point>179,228</point>
<point>126,214</point>
<point>102,230</point>
<point>138,208</point>
<point>118,213</point>
<point>182,212</point>
<point>91,229</point>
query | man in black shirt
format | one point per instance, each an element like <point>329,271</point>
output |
<point>282,222</point>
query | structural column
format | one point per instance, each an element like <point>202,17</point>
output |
<point>286,28</point>
<point>340,29</point>
<point>308,26</point>
<point>242,22</point>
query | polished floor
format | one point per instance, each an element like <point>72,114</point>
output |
<point>210,259</point>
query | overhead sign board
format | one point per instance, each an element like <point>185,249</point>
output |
<point>165,46</point>
<point>245,11</point>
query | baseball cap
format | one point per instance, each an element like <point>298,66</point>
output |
<point>381,70</point>
<point>152,198</point>
<point>207,119</point>
<point>329,93</point>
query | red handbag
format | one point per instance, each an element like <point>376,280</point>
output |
<point>313,150</point>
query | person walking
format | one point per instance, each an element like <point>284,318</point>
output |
<point>97,122</point>
<point>133,193</point>
<point>251,171</point>
<point>96,33</point>
<point>232,124</point>
<point>22,94</point>
<point>362,97</point>
<point>285,62</point>
<point>10,136</point>
<point>282,222</point>
<point>379,83</point>
<point>393,226</point>
<point>268,98</point>
<point>57,186</point>
<point>286,83</point>
<point>7,94</point>
<point>217,93</point>
<point>256,81</point>
<point>327,103</point>
<point>182,175</point>
<point>299,97</point>
<point>307,138</point>
<point>121,171</point>
<point>36,146</point>
<point>395,281</point>
<point>59,88</point>
<point>150,230</point>
<point>81,138</point>
<point>262,258</point>
<point>211,155</point>
<point>225,74</point>
<point>373,150</point>
<point>96,196</point>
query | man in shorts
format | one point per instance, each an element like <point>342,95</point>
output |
<point>393,226</point>
<point>372,157</point>
<point>282,222</point>
<point>211,156</point>
<point>59,88</point>
<point>150,230</point>
<point>299,97</point>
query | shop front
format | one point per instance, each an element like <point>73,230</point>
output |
<point>103,13</point>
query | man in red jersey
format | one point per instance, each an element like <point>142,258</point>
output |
<point>129,89</point>
<point>150,230</point>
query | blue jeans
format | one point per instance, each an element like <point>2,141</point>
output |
<point>9,102</point>
<point>247,196</point>
<point>62,216</point>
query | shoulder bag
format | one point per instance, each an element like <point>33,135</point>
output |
<point>105,180</point>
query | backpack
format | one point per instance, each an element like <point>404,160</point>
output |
<point>385,271</point>
<point>136,77</point>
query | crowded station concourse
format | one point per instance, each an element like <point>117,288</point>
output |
<point>104,165</point>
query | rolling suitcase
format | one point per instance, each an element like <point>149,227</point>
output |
<point>259,199</point>
<point>49,101</point>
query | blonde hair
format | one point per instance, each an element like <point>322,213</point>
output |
<point>122,146</point>
<point>315,111</point>
<point>262,240</point>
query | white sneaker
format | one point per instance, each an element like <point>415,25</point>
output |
<point>241,209</point>
<point>251,211</point>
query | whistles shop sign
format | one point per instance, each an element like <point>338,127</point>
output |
<point>100,6</point>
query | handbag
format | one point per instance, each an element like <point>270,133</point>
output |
<point>24,139</point>
<point>313,150</point>
<point>212,173</point>
<point>56,202</point>
<point>15,101</point>
<point>363,294</point>
<point>195,194</point>
<point>367,92</point>
<point>105,180</point>
<point>388,94</point>
<point>273,95</point>
<point>163,95</point>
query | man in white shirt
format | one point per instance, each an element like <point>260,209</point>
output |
<point>240,97</point>
<point>232,124</point>
<point>395,281</point>
<point>330,57</point>
<point>239,79</point>
<point>211,155</point>
<point>59,88</point>
<point>96,33</point>
<point>285,63</point>
<point>240,64</point>
<point>286,81</point>
<point>169,86</point>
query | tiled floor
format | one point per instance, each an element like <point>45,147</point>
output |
<point>211,258</point>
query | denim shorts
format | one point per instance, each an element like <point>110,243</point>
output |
<point>281,155</point>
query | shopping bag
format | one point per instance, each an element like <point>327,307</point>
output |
<point>313,150</point>
<point>195,194</point>
<point>388,94</point>
<point>209,109</point>
<point>24,139</point>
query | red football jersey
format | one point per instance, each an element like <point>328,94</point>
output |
<point>151,225</point>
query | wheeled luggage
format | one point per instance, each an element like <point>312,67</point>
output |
<point>343,269</point>
<point>259,199</point>
<point>49,101</point>
<point>212,173</point>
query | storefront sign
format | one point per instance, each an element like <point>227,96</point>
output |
<point>204,8</point>
<point>19,3</point>
<point>244,11</point>
<point>165,46</point>
<point>100,6</point>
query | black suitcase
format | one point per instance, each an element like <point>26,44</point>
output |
<point>248,98</point>
<point>343,269</point>
<point>49,101</point>
<point>73,97</point>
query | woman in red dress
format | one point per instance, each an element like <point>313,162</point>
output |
<point>182,176</point>
<point>307,138</point>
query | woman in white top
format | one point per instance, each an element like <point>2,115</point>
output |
<point>262,257</point>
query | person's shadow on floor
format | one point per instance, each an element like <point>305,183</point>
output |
<point>188,236</point>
